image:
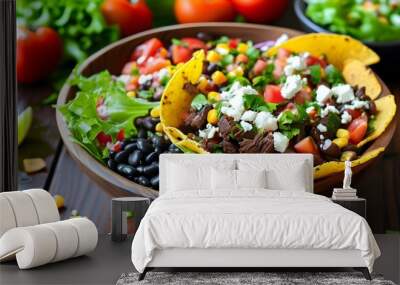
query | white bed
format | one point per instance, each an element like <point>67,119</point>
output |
<point>197,222</point>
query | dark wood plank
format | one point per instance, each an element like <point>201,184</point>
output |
<point>81,193</point>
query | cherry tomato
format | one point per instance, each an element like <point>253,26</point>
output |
<point>302,97</point>
<point>272,94</point>
<point>313,60</point>
<point>131,17</point>
<point>354,113</point>
<point>180,54</point>
<point>103,139</point>
<point>306,145</point>
<point>358,129</point>
<point>192,11</point>
<point>283,54</point>
<point>121,135</point>
<point>154,64</point>
<point>147,49</point>
<point>261,11</point>
<point>233,43</point>
<point>194,44</point>
<point>38,53</point>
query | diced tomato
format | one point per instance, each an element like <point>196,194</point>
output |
<point>354,113</point>
<point>103,139</point>
<point>302,97</point>
<point>154,64</point>
<point>313,60</point>
<point>194,44</point>
<point>283,54</point>
<point>241,58</point>
<point>358,129</point>
<point>278,68</point>
<point>117,146</point>
<point>259,66</point>
<point>306,145</point>
<point>272,94</point>
<point>180,54</point>
<point>121,135</point>
<point>233,43</point>
<point>146,50</point>
<point>312,113</point>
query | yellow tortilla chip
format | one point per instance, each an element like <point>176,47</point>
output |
<point>386,107</point>
<point>175,101</point>
<point>356,73</point>
<point>191,146</point>
<point>331,167</point>
<point>337,48</point>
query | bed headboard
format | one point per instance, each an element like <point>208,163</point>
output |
<point>287,164</point>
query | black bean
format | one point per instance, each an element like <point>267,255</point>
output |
<point>140,169</point>
<point>155,181</point>
<point>372,108</point>
<point>143,181</point>
<point>112,154</point>
<point>112,164</point>
<point>127,170</point>
<point>139,122</point>
<point>144,146</point>
<point>204,37</point>
<point>174,149</point>
<point>142,134</point>
<point>150,170</point>
<point>131,147</point>
<point>153,156</point>
<point>150,123</point>
<point>135,158</point>
<point>131,140</point>
<point>158,150</point>
<point>121,157</point>
<point>160,142</point>
<point>211,68</point>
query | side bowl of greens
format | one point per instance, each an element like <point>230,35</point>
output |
<point>359,20</point>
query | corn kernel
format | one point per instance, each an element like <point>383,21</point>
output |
<point>213,56</point>
<point>131,94</point>
<point>242,48</point>
<point>163,52</point>
<point>213,96</point>
<point>203,84</point>
<point>222,48</point>
<point>212,117</point>
<point>155,112</point>
<point>238,71</point>
<point>341,142</point>
<point>342,133</point>
<point>159,128</point>
<point>59,201</point>
<point>218,78</point>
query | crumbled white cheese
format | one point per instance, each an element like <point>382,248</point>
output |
<point>343,92</point>
<point>322,128</point>
<point>238,90</point>
<point>209,132</point>
<point>283,38</point>
<point>326,144</point>
<point>293,84</point>
<point>249,116</point>
<point>357,104</point>
<point>329,109</point>
<point>237,103</point>
<point>232,112</point>
<point>345,118</point>
<point>144,78</point>
<point>221,50</point>
<point>266,121</point>
<point>294,63</point>
<point>281,142</point>
<point>395,20</point>
<point>323,94</point>
<point>321,137</point>
<point>163,73</point>
<point>246,126</point>
<point>125,78</point>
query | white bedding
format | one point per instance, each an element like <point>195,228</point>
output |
<point>250,219</point>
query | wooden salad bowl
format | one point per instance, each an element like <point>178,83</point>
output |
<point>113,58</point>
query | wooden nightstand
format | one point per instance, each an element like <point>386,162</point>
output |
<point>358,205</point>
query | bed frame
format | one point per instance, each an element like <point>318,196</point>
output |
<point>246,258</point>
<point>242,259</point>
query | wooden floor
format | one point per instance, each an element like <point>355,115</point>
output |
<point>379,184</point>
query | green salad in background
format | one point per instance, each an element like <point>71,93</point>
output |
<point>369,20</point>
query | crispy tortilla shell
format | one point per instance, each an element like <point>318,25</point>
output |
<point>337,48</point>
<point>386,107</point>
<point>357,74</point>
<point>182,141</point>
<point>331,167</point>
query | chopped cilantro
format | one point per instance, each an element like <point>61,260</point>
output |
<point>282,79</point>
<point>315,72</point>
<point>333,75</point>
<point>199,101</point>
<point>333,123</point>
<point>371,124</point>
<point>177,42</point>
<point>287,124</point>
<point>135,71</point>
<point>242,80</point>
<point>218,107</point>
<point>164,80</point>
<point>216,148</point>
<point>146,94</point>
<point>227,60</point>
<point>257,103</point>
<point>267,77</point>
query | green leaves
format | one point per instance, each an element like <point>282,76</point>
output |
<point>199,101</point>
<point>257,103</point>
<point>290,122</point>
<point>315,73</point>
<point>333,75</point>
<point>333,122</point>
<point>119,111</point>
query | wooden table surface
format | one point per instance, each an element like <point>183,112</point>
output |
<point>379,184</point>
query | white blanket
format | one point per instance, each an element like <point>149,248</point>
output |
<point>250,219</point>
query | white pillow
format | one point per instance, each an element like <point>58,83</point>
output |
<point>223,179</point>
<point>281,174</point>
<point>186,175</point>
<point>251,178</point>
